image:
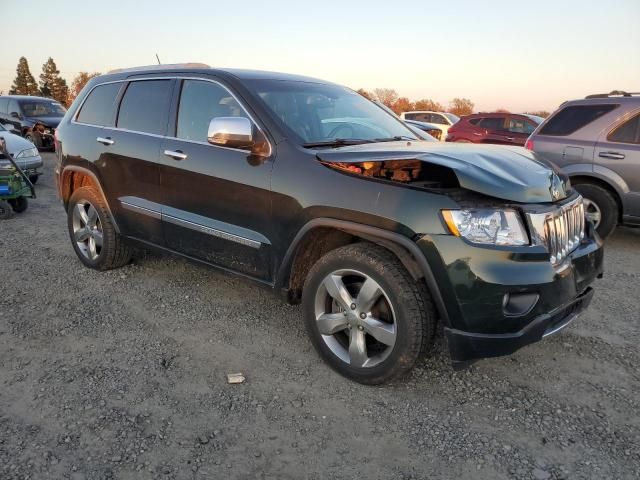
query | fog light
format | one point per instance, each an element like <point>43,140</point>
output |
<point>519,304</point>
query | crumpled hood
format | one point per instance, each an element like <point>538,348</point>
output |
<point>51,122</point>
<point>509,173</point>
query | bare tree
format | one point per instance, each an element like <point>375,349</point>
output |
<point>78,84</point>
<point>429,105</point>
<point>403,104</point>
<point>366,94</point>
<point>461,106</point>
<point>388,96</point>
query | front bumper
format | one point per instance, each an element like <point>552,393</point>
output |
<point>477,285</point>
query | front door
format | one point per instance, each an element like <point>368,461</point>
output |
<point>217,200</point>
<point>619,151</point>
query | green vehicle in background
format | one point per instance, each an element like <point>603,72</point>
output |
<point>15,186</point>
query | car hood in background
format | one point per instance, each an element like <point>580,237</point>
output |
<point>15,143</point>
<point>51,122</point>
<point>509,173</point>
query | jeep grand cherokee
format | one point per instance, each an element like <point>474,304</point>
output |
<point>309,188</point>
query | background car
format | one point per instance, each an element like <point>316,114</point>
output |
<point>36,118</point>
<point>499,128</point>
<point>596,141</point>
<point>23,152</point>
<point>443,119</point>
<point>436,131</point>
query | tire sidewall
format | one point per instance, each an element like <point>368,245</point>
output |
<point>398,357</point>
<point>606,203</point>
<point>87,194</point>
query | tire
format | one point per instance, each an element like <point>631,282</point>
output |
<point>6,212</point>
<point>93,235</point>
<point>600,207</point>
<point>403,309</point>
<point>20,204</point>
<point>34,179</point>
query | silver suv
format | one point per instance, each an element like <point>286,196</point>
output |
<point>596,141</point>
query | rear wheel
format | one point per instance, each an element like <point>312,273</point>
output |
<point>93,236</point>
<point>366,316</point>
<point>600,207</point>
<point>6,211</point>
<point>19,205</point>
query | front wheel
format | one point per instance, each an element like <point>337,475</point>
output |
<point>20,204</point>
<point>366,316</point>
<point>600,207</point>
<point>93,235</point>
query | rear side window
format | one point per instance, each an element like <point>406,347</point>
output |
<point>474,121</point>
<point>4,105</point>
<point>573,118</point>
<point>494,123</point>
<point>628,132</point>
<point>99,106</point>
<point>145,106</point>
<point>519,125</point>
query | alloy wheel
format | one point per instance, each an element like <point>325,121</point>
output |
<point>87,230</point>
<point>355,318</point>
<point>592,212</point>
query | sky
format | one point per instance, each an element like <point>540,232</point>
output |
<point>522,56</point>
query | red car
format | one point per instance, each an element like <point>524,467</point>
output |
<point>502,128</point>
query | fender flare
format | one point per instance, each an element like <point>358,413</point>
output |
<point>370,233</point>
<point>96,181</point>
<point>598,172</point>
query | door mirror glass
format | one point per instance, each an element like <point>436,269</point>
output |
<point>232,132</point>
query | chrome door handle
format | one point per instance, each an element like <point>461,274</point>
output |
<point>614,155</point>
<point>510,139</point>
<point>105,141</point>
<point>177,155</point>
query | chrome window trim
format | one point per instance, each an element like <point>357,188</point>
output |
<point>171,137</point>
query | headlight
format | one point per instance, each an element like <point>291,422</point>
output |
<point>29,152</point>
<point>487,226</point>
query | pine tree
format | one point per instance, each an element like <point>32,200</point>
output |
<point>24,83</point>
<point>52,84</point>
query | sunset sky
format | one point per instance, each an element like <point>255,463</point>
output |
<point>500,54</point>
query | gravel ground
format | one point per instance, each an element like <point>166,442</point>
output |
<point>123,375</point>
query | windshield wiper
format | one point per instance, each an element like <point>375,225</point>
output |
<point>338,142</point>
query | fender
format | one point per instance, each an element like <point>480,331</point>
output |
<point>373,234</point>
<point>599,172</point>
<point>86,171</point>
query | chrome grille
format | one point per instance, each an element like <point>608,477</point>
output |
<point>559,230</point>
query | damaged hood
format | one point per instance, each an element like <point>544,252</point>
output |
<point>501,171</point>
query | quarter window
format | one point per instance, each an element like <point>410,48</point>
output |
<point>573,118</point>
<point>628,132</point>
<point>99,106</point>
<point>145,106</point>
<point>200,102</point>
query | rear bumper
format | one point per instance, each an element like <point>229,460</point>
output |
<point>467,346</point>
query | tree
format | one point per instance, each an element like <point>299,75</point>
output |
<point>540,113</point>
<point>403,104</point>
<point>461,106</point>
<point>388,96</point>
<point>366,94</point>
<point>52,84</point>
<point>78,84</point>
<point>429,105</point>
<point>24,83</point>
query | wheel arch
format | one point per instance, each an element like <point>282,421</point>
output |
<point>73,177</point>
<point>327,234</point>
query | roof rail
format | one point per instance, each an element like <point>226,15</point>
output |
<point>614,93</point>
<point>160,67</point>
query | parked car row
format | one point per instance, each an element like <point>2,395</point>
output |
<point>34,118</point>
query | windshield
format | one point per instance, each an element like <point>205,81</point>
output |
<point>321,113</point>
<point>453,118</point>
<point>535,118</point>
<point>42,108</point>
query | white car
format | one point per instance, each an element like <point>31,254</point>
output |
<point>443,119</point>
<point>23,152</point>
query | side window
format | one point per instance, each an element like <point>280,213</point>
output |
<point>493,123</point>
<point>520,125</point>
<point>439,119</point>
<point>99,106</point>
<point>4,105</point>
<point>201,101</point>
<point>14,107</point>
<point>410,116</point>
<point>145,106</point>
<point>628,132</point>
<point>474,121</point>
<point>573,118</point>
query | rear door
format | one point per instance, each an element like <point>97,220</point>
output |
<point>217,200</point>
<point>129,165</point>
<point>619,151</point>
<point>519,129</point>
<point>494,130</point>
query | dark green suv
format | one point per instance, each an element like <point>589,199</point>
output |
<point>316,192</point>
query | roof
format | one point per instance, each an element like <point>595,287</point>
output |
<point>243,74</point>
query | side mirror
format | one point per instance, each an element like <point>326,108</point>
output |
<point>15,115</point>
<point>232,132</point>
